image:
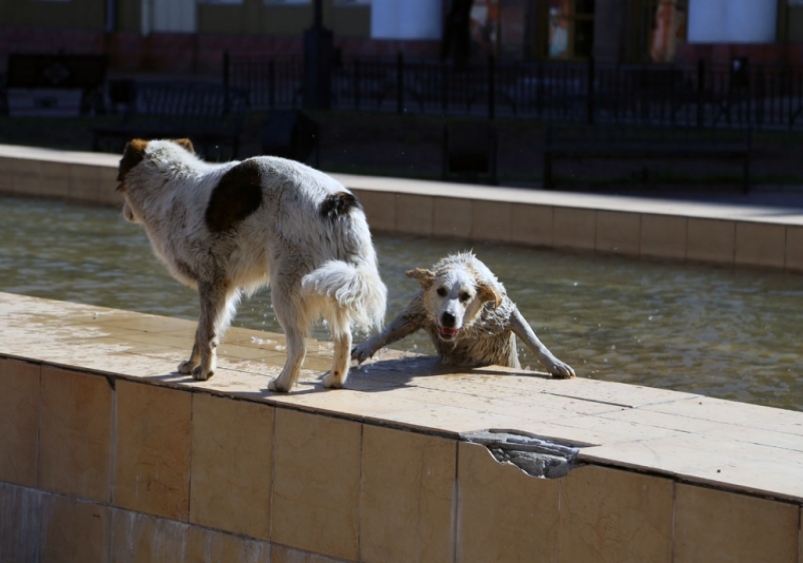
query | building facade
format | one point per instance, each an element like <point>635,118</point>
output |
<point>190,36</point>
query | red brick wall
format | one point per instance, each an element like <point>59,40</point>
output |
<point>183,53</point>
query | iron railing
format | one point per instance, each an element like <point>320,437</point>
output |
<point>702,95</point>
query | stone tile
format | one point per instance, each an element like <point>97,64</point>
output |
<point>210,546</point>
<point>316,484</point>
<point>491,220</point>
<point>73,530</point>
<point>19,424</point>
<point>618,233</point>
<point>6,175</point>
<point>760,244</point>
<point>20,515</point>
<point>451,217</point>
<point>451,420</point>
<point>414,214</point>
<point>731,412</point>
<point>25,176</point>
<point>54,179</point>
<point>141,538</point>
<point>617,516</point>
<point>503,514</point>
<point>95,184</point>
<point>281,554</point>
<point>406,496</point>
<point>75,434</point>
<point>532,225</point>
<point>349,402</point>
<point>574,228</point>
<point>152,450</point>
<point>380,209</point>
<point>713,525</point>
<point>794,248</point>
<point>663,236</point>
<point>710,240</point>
<point>231,465</point>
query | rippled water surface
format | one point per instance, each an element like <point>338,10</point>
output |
<point>728,334</point>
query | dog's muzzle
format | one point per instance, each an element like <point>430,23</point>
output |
<point>446,326</point>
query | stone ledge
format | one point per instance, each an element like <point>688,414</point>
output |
<point>687,437</point>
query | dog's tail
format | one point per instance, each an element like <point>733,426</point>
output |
<point>355,289</point>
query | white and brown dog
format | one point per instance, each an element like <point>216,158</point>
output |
<point>229,229</point>
<point>468,316</point>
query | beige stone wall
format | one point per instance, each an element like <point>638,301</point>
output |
<point>99,468</point>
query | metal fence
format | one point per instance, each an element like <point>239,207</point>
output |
<point>702,95</point>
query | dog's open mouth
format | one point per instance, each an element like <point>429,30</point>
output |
<point>448,333</point>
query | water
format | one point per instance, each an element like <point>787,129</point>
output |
<point>722,333</point>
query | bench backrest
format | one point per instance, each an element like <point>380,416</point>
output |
<point>35,70</point>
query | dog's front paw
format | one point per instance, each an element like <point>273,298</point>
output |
<point>361,353</point>
<point>276,386</point>
<point>202,374</point>
<point>186,367</point>
<point>562,371</point>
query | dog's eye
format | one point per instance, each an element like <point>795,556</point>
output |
<point>442,291</point>
<point>464,297</point>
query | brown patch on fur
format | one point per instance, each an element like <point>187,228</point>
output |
<point>487,293</point>
<point>237,195</point>
<point>425,277</point>
<point>132,155</point>
<point>184,143</point>
<point>338,204</point>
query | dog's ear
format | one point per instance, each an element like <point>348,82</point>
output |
<point>132,155</point>
<point>424,276</point>
<point>185,143</point>
<point>486,293</point>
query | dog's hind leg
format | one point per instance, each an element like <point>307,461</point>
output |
<point>218,303</point>
<point>341,337</point>
<point>290,314</point>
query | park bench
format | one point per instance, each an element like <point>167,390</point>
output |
<point>42,75</point>
<point>639,143</point>
<point>210,115</point>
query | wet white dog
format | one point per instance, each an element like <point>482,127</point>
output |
<point>228,229</point>
<point>468,316</point>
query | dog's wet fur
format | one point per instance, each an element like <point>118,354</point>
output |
<point>468,316</point>
<point>229,229</point>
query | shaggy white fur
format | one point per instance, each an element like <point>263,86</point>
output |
<point>468,316</point>
<point>229,229</point>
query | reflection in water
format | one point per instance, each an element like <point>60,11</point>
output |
<point>729,334</point>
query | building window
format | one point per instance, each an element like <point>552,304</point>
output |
<point>571,29</point>
<point>288,2</point>
<point>220,1</point>
<point>659,28</point>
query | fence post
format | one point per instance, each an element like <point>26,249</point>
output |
<point>700,92</point>
<point>491,87</point>
<point>226,69</point>
<point>357,83</point>
<point>444,88</point>
<point>400,82</point>
<point>590,101</point>
<point>272,83</point>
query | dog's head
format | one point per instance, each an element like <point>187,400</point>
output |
<point>456,291</point>
<point>136,156</point>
